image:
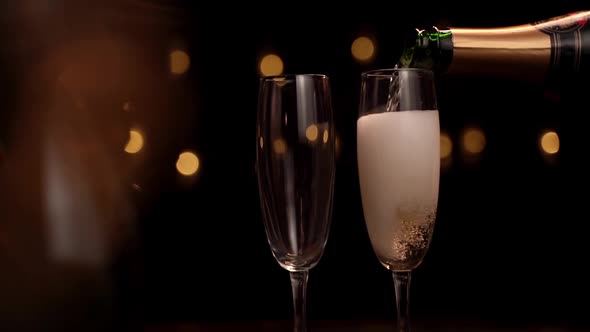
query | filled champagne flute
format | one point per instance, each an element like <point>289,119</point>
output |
<point>295,164</point>
<point>398,142</point>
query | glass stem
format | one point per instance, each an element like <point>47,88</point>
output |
<point>299,285</point>
<point>401,281</point>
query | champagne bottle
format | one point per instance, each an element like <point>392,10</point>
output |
<point>555,47</point>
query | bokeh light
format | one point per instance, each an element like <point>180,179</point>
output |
<point>363,49</point>
<point>279,146</point>
<point>312,133</point>
<point>179,62</point>
<point>270,65</point>
<point>187,163</point>
<point>446,145</point>
<point>474,140</point>
<point>550,142</point>
<point>135,143</point>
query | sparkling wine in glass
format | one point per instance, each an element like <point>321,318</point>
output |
<point>296,169</point>
<point>399,163</point>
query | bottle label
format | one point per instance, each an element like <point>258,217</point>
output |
<point>563,24</point>
<point>566,33</point>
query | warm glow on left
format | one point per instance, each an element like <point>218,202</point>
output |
<point>135,143</point>
<point>187,163</point>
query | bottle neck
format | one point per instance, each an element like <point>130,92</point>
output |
<point>513,52</point>
<point>555,47</point>
<point>428,49</point>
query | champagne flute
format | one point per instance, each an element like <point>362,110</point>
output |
<point>296,168</point>
<point>398,142</point>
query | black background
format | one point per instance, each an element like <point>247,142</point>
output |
<point>509,242</point>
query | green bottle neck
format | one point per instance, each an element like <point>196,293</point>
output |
<point>429,49</point>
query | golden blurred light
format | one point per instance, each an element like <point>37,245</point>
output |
<point>261,141</point>
<point>187,163</point>
<point>270,65</point>
<point>311,133</point>
<point>550,142</point>
<point>135,143</point>
<point>325,138</point>
<point>179,62</point>
<point>279,146</point>
<point>446,145</point>
<point>363,49</point>
<point>474,140</point>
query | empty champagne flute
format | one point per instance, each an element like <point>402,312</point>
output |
<point>398,142</point>
<point>296,169</point>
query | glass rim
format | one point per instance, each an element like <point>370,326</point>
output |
<point>292,76</point>
<point>386,72</point>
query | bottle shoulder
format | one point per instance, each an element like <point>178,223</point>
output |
<point>427,48</point>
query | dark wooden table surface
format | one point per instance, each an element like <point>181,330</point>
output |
<point>353,326</point>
